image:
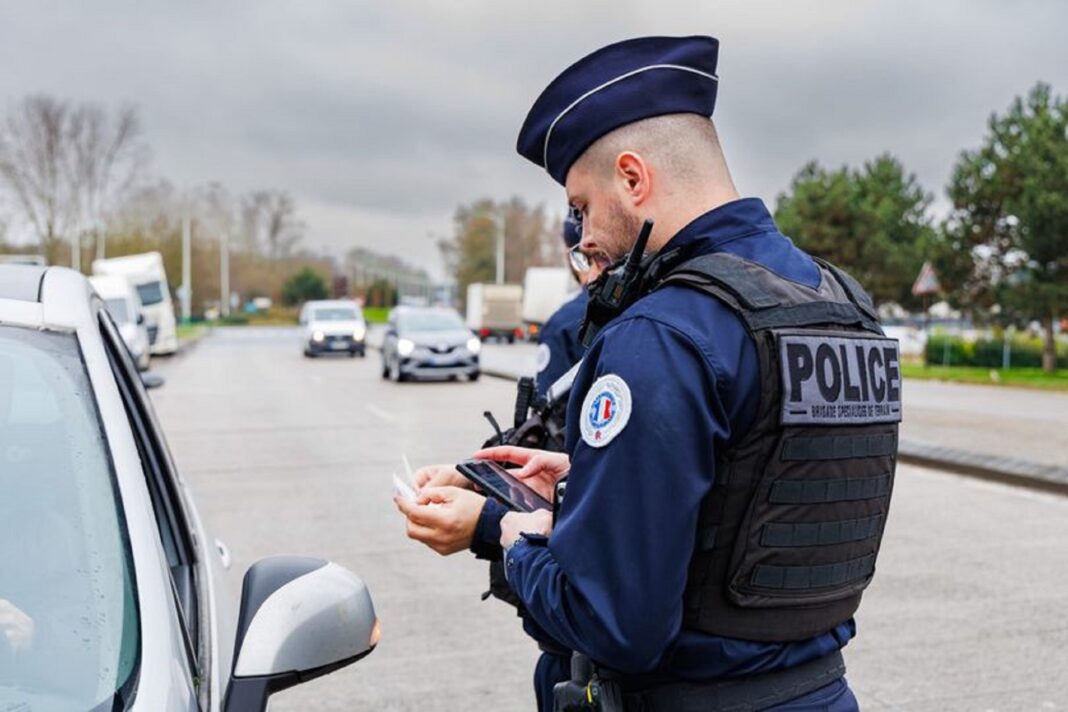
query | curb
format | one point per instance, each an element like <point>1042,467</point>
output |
<point>1020,473</point>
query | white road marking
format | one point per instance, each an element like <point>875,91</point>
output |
<point>380,413</point>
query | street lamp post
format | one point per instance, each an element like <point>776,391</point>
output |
<point>187,267</point>
<point>224,273</point>
<point>500,248</point>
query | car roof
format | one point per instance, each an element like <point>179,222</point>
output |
<point>332,303</point>
<point>44,297</point>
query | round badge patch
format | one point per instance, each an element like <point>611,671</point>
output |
<point>544,356</point>
<point>605,411</point>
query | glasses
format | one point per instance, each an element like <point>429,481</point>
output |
<point>582,262</point>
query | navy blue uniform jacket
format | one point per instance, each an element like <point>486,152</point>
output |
<point>609,581</point>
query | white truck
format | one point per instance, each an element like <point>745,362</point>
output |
<point>145,272</point>
<point>495,310</point>
<point>545,289</point>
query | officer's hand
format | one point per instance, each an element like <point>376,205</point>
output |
<point>540,469</point>
<point>16,626</point>
<point>439,476</point>
<point>448,527</point>
<point>515,523</point>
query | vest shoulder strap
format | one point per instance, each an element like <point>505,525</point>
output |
<point>765,300</point>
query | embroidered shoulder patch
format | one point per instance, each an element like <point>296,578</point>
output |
<point>545,355</point>
<point>605,411</point>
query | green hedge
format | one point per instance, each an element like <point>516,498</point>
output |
<point>1025,352</point>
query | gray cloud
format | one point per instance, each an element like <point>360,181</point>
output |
<point>381,117</point>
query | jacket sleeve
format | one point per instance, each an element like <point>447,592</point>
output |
<point>609,582</point>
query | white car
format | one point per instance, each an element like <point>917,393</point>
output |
<point>124,305</point>
<point>112,592</point>
<point>333,326</point>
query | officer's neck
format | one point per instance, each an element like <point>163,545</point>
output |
<point>675,214</point>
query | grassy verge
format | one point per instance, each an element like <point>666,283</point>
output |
<point>190,332</point>
<point>376,315</point>
<point>1021,377</point>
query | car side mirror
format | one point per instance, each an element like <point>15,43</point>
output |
<point>300,618</point>
<point>140,319</point>
<point>152,380</point>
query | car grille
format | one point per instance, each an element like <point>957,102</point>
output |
<point>153,331</point>
<point>438,349</point>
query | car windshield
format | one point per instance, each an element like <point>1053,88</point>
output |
<point>117,308</point>
<point>335,314</point>
<point>69,628</point>
<point>150,293</point>
<point>430,320</point>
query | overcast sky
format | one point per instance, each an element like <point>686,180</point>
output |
<point>380,117</point>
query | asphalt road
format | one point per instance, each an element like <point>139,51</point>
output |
<point>288,455</point>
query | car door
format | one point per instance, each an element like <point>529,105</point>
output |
<point>174,526</point>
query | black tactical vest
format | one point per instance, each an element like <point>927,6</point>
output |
<point>788,536</point>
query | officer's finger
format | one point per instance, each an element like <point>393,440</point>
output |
<point>507,453</point>
<point>437,495</point>
<point>429,473</point>
<point>405,505</point>
<point>412,510</point>
<point>419,533</point>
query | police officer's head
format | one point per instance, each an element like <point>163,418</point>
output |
<point>627,131</point>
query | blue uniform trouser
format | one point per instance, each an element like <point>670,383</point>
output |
<point>550,670</point>
<point>835,697</point>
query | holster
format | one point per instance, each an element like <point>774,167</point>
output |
<point>586,691</point>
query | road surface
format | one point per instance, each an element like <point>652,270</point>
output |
<point>290,455</point>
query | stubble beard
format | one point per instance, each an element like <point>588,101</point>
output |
<point>621,232</point>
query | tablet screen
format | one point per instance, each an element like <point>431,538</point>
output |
<point>495,478</point>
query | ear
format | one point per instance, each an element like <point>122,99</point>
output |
<point>634,177</point>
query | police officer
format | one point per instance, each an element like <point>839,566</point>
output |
<point>731,430</point>
<point>559,347</point>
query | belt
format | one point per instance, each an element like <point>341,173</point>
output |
<point>747,694</point>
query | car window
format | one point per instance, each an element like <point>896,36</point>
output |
<point>150,293</point>
<point>431,320</point>
<point>335,314</point>
<point>161,479</point>
<point>68,612</point>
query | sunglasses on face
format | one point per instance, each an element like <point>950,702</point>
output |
<point>583,262</point>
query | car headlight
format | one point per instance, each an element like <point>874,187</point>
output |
<point>318,336</point>
<point>359,332</point>
<point>474,345</point>
<point>405,347</point>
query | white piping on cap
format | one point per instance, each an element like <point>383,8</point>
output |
<point>610,82</point>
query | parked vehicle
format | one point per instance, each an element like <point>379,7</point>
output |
<point>495,310</point>
<point>113,593</point>
<point>122,302</point>
<point>145,272</point>
<point>429,342</point>
<point>545,289</point>
<point>333,326</point>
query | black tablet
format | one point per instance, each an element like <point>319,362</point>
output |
<point>495,480</point>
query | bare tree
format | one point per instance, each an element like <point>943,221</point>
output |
<point>271,223</point>
<point>66,166</point>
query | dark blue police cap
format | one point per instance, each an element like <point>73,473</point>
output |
<point>572,232</point>
<point>618,85</point>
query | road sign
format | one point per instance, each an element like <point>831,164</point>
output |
<point>927,281</point>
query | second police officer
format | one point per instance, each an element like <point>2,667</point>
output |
<point>559,346</point>
<point>731,432</point>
